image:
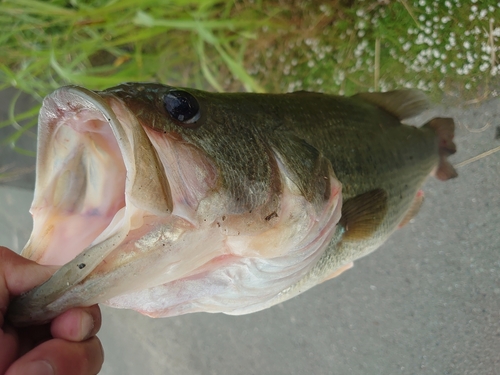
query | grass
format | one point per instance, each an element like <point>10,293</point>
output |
<point>339,46</point>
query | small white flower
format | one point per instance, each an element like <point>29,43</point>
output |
<point>484,66</point>
<point>325,9</point>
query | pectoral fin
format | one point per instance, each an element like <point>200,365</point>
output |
<point>362,215</point>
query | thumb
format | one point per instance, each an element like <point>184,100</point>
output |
<point>18,275</point>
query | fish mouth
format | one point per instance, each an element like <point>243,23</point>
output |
<point>91,154</point>
<point>98,178</point>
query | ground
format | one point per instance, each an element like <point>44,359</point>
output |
<point>426,302</point>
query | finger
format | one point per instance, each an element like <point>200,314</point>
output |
<point>61,357</point>
<point>22,274</point>
<point>9,345</point>
<point>18,275</point>
<point>29,337</point>
<point>77,324</point>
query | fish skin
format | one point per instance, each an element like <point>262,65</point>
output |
<point>251,141</point>
<point>367,146</point>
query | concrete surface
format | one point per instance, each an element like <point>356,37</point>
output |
<point>427,302</point>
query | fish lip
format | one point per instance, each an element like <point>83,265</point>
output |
<point>97,102</point>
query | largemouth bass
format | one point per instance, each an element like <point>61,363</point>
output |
<point>172,200</point>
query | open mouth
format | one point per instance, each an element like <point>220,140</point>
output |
<point>98,180</point>
<point>87,168</point>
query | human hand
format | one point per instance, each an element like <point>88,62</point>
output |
<point>66,345</point>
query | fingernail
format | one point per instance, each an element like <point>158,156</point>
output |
<point>87,325</point>
<point>37,368</point>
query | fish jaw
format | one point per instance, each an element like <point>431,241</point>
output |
<point>98,178</point>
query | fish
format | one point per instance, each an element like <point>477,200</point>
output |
<point>169,200</point>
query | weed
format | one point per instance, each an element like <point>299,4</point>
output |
<point>339,46</point>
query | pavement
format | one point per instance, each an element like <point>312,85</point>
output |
<point>426,302</point>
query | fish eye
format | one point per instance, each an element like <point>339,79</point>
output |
<point>182,107</point>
